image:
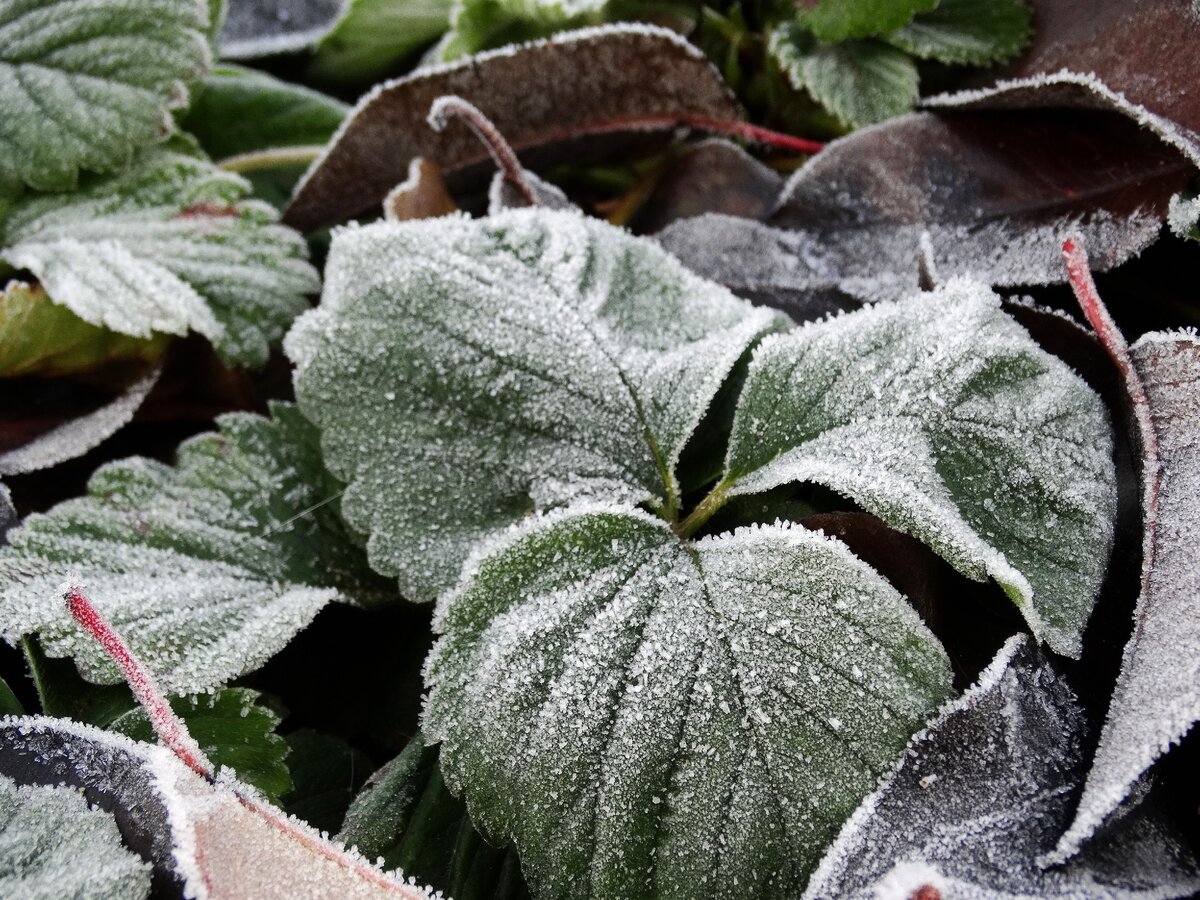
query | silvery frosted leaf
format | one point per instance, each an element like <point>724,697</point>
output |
<point>647,717</point>
<point>85,82</point>
<point>1157,696</point>
<point>205,840</point>
<point>984,790</point>
<point>77,436</point>
<point>8,513</point>
<point>940,415</point>
<point>165,247</point>
<point>465,372</point>
<point>53,845</point>
<point>257,28</point>
<point>207,568</point>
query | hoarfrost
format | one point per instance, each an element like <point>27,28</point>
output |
<point>1005,756</point>
<point>465,372</point>
<point>207,569</point>
<point>1157,696</point>
<point>638,713</point>
<point>53,845</point>
<point>8,513</point>
<point>257,28</point>
<point>940,415</point>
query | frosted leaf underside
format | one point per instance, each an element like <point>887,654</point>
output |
<point>941,416</point>
<point>1156,700</point>
<point>85,82</point>
<point>52,844</point>
<point>982,792</point>
<point>199,567</point>
<point>646,717</point>
<point>464,372</point>
<point>166,247</point>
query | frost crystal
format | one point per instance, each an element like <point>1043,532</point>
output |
<point>464,372</point>
<point>647,717</point>
<point>53,845</point>
<point>985,789</point>
<point>207,569</point>
<point>255,28</point>
<point>941,416</point>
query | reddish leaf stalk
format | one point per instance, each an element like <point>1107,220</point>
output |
<point>1114,344</point>
<point>732,127</point>
<point>453,107</point>
<point>168,726</point>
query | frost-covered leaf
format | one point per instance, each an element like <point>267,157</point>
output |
<point>257,28</point>
<point>940,415</point>
<point>465,372</point>
<point>83,83</point>
<point>1157,697</point>
<point>484,24</point>
<point>165,247</point>
<point>588,83</point>
<point>372,36</point>
<point>77,436</point>
<point>406,817</point>
<point>8,513</point>
<point>53,845</point>
<point>233,729</point>
<point>994,191</point>
<point>982,792</point>
<point>39,337</point>
<point>967,32</point>
<point>837,20</point>
<point>860,82</point>
<point>649,717</point>
<point>204,839</point>
<point>207,568</point>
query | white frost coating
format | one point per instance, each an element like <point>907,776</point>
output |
<point>84,86</point>
<point>53,845</point>
<point>940,415</point>
<point>1157,696</point>
<point>258,28</point>
<point>981,791</point>
<point>78,436</point>
<point>207,569</point>
<point>166,246</point>
<point>1183,214</point>
<point>219,844</point>
<point>643,715</point>
<point>465,372</point>
<point>8,512</point>
<point>1183,139</point>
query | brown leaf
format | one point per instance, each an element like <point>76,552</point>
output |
<point>543,95</point>
<point>422,195</point>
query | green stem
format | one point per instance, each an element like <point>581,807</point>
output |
<point>704,510</point>
<point>272,158</point>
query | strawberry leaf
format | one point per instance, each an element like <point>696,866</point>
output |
<point>966,32</point>
<point>372,36</point>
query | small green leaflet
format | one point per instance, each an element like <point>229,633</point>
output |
<point>837,20</point>
<point>651,718</point>
<point>83,83</point>
<point>941,416</point>
<point>465,372</point>
<point>206,568</point>
<point>52,844</point>
<point>165,247</point>
<point>477,25</point>
<point>372,36</point>
<point>233,729</point>
<point>859,81</point>
<point>966,32</point>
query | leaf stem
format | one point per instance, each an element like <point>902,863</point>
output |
<point>454,107</point>
<point>704,510</point>
<point>272,158</point>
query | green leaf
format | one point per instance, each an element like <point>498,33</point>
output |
<point>165,247</point>
<point>464,372</point>
<point>373,36</point>
<point>207,569</point>
<point>837,20</point>
<point>9,704</point>
<point>83,83</point>
<point>53,844</point>
<point>651,718</point>
<point>485,24</point>
<point>237,110</point>
<point>233,729</point>
<point>940,415</point>
<point>39,337</point>
<point>406,817</point>
<point>860,82</point>
<point>967,32</point>
<point>63,694</point>
<point>326,773</point>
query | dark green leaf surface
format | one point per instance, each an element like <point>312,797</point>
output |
<point>837,20</point>
<point>970,32</point>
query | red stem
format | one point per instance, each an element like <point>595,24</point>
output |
<point>451,106</point>
<point>169,727</point>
